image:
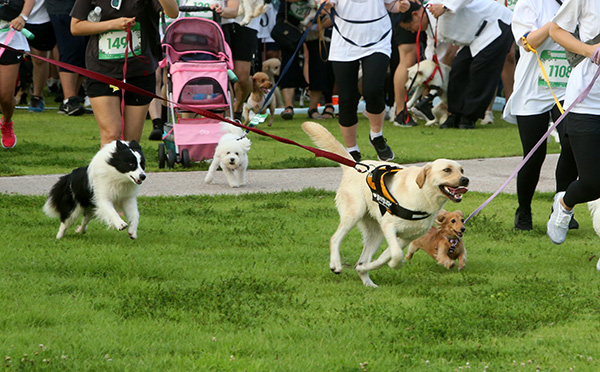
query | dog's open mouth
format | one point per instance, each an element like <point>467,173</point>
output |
<point>454,193</point>
<point>136,180</point>
<point>459,234</point>
<point>265,90</point>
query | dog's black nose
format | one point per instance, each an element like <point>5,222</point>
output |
<point>142,176</point>
<point>464,181</point>
<point>462,229</point>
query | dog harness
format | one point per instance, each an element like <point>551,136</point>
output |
<point>382,196</point>
<point>453,244</point>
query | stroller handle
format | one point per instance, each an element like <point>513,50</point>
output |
<point>192,8</point>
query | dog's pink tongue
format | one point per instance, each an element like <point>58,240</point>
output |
<point>458,190</point>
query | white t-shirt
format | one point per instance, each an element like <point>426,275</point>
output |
<point>586,14</point>
<point>363,33</point>
<point>254,23</point>
<point>531,95</point>
<point>38,14</point>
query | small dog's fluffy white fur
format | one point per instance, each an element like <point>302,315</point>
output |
<point>421,72</point>
<point>252,9</point>
<point>107,186</point>
<point>231,155</point>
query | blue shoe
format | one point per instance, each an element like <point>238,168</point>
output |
<point>36,104</point>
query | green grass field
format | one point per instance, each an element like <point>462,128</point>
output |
<point>242,283</point>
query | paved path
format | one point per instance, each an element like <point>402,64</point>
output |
<point>486,175</point>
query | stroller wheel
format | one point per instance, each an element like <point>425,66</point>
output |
<point>161,155</point>
<point>170,158</point>
<point>185,158</point>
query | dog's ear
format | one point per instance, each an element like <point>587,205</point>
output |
<point>423,175</point>
<point>440,217</point>
<point>134,145</point>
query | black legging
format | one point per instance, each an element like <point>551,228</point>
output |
<point>531,129</point>
<point>585,146</point>
<point>374,69</point>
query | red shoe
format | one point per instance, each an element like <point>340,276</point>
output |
<point>9,140</point>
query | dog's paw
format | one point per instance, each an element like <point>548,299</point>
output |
<point>133,235</point>
<point>366,280</point>
<point>208,179</point>
<point>80,229</point>
<point>234,185</point>
<point>335,268</point>
<point>360,268</point>
<point>122,225</point>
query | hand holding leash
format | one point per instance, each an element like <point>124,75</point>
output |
<point>437,9</point>
<point>596,55</point>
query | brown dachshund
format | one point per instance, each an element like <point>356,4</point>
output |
<point>443,243</point>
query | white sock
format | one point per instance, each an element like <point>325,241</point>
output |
<point>375,135</point>
<point>353,148</point>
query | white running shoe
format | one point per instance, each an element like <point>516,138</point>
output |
<point>488,118</point>
<point>558,224</point>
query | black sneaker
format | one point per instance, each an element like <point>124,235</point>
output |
<point>73,107</point>
<point>451,122</point>
<point>466,123</point>
<point>401,120</point>
<point>523,220</point>
<point>384,152</point>
<point>356,156</point>
<point>423,108</point>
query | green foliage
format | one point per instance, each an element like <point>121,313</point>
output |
<point>242,283</point>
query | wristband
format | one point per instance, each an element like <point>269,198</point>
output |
<point>25,18</point>
<point>526,34</point>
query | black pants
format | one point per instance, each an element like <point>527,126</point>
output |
<point>583,136</point>
<point>531,129</point>
<point>374,68</point>
<point>473,80</point>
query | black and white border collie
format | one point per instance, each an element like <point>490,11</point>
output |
<point>107,186</point>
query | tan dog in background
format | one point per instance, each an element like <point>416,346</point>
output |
<point>261,85</point>
<point>272,67</point>
<point>443,243</point>
<point>420,73</point>
<point>425,189</point>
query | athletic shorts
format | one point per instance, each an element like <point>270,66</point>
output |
<point>242,41</point>
<point>71,49</point>
<point>582,124</point>
<point>10,57</point>
<point>44,36</point>
<point>97,88</point>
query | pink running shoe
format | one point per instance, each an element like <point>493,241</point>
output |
<point>9,140</point>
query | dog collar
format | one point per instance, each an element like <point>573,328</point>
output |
<point>453,243</point>
<point>382,196</point>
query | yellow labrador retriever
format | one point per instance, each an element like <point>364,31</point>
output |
<point>422,191</point>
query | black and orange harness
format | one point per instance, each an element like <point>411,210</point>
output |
<point>381,195</point>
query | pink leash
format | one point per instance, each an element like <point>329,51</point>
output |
<point>9,37</point>
<point>579,98</point>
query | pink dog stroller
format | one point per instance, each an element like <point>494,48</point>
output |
<point>198,62</point>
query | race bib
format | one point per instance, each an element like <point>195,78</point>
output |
<point>557,68</point>
<point>112,44</point>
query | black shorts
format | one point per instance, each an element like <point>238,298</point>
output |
<point>582,124</point>
<point>242,40</point>
<point>97,88</point>
<point>10,57</point>
<point>44,36</point>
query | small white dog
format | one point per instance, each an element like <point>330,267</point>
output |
<point>314,5</point>
<point>231,155</point>
<point>252,9</point>
<point>438,79</point>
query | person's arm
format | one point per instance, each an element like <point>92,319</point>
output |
<point>170,8</point>
<point>84,27</point>
<point>230,11</point>
<point>537,37</point>
<point>19,22</point>
<point>570,42</point>
<point>398,6</point>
